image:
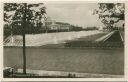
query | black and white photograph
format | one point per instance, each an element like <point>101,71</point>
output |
<point>63,39</point>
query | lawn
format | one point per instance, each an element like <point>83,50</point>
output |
<point>83,60</point>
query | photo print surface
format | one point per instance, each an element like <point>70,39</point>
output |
<point>65,39</point>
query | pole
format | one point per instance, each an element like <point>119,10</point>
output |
<point>11,37</point>
<point>24,47</point>
<point>45,24</point>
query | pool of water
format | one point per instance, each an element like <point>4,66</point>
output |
<point>84,60</point>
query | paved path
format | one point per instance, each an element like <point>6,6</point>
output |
<point>66,74</point>
<point>115,35</point>
<point>105,37</point>
<point>50,38</point>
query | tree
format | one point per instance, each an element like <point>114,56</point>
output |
<point>110,13</point>
<point>13,15</point>
<point>22,16</point>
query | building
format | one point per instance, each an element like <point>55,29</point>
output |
<point>52,25</point>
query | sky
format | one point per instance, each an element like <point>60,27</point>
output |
<point>76,13</point>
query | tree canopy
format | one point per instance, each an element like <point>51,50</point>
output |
<point>110,13</point>
<point>13,16</point>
